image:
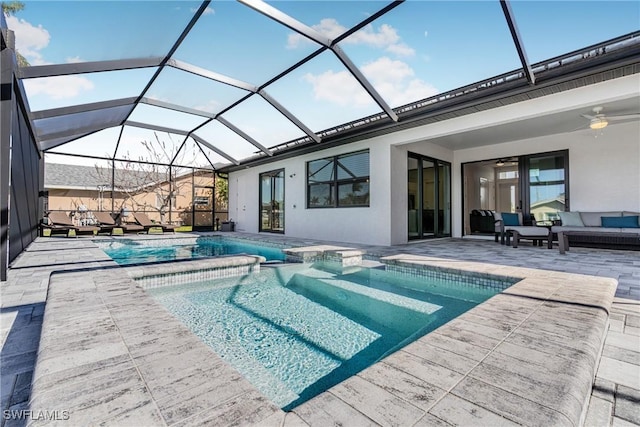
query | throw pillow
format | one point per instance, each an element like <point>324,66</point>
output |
<point>510,219</point>
<point>571,219</point>
<point>620,222</point>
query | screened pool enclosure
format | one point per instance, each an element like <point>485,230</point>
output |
<point>161,99</point>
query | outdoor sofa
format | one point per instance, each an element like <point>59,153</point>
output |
<point>614,229</point>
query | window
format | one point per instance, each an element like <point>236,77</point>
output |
<point>339,181</point>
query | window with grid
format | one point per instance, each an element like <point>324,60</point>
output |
<point>339,181</point>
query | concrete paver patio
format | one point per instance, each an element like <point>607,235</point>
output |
<point>614,399</point>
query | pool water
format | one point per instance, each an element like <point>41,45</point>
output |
<point>127,251</point>
<point>294,331</point>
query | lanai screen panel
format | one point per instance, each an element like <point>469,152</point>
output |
<point>586,22</point>
<point>238,42</point>
<point>450,46</point>
<point>73,124</point>
<point>323,93</point>
<point>165,117</point>
<point>45,93</point>
<point>99,144</point>
<point>209,68</point>
<point>226,140</point>
<point>194,91</point>
<point>263,122</point>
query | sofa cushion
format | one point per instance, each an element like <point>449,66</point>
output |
<point>571,219</point>
<point>627,213</point>
<point>620,222</point>
<point>592,219</point>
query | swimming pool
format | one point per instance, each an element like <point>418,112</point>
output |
<point>294,331</point>
<point>140,251</point>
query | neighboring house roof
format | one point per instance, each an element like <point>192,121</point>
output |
<point>75,177</point>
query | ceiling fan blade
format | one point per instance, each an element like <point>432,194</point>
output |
<point>625,117</point>
<point>586,116</point>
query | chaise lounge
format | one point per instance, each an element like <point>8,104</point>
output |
<point>143,220</point>
<point>59,222</point>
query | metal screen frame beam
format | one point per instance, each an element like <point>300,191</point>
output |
<point>364,82</point>
<point>83,108</point>
<point>7,108</point>
<point>176,107</point>
<point>287,21</point>
<point>211,147</point>
<point>38,71</point>
<point>311,134</point>
<point>156,127</point>
<point>211,75</point>
<point>517,40</point>
<point>245,136</point>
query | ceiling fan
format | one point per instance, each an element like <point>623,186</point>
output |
<point>600,121</point>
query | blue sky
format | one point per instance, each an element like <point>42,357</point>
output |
<point>419,49</point>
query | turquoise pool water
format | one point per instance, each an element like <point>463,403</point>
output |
<point>129,251</point>
<point>295,331</point>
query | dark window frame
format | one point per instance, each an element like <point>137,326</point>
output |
<point>334,183</point>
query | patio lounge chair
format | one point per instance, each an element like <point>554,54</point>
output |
<point>60,222</point>
<point>512,227</point>
<point>127,227</point>
<point>106,222</point>
<point>144,221</point>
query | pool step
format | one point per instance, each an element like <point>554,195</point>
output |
<point>402,315</point>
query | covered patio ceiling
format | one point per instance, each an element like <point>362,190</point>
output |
<point>229,82</point>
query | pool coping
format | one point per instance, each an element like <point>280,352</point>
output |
<point>526,356</point>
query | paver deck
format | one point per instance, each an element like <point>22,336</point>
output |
<point>489,366</point>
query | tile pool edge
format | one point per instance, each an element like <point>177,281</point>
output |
<point>78,298</point>
<point>174,273</point>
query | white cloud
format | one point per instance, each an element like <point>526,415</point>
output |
<point>384,37</point>
<point>60,87</point>
<point>338,88</point>
<point>74,60</point>
<point>29,39</point>
<point>395,81</point>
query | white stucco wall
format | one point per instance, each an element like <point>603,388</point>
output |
<point>358,225</point>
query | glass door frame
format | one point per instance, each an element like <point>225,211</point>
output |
<point>273,174</point>
<point>525,179</point>
<point>524,182</point>
<point>419,204</point>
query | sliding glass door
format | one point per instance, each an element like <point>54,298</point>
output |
<point>272,201</point>
<point>536,185</point>
<point>429,197</point>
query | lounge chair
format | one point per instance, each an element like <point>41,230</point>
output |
<point>60,222</point>
<point>127,227</point>
<point>106,222</point>
<point>144,221</point>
